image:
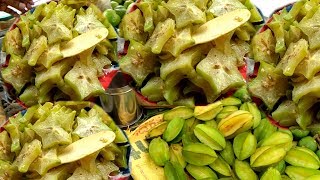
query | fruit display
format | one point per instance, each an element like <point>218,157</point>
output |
<point>287,50</point>
<point>62,140</point>
<point>58,52</point>
<point>227,139</point>
<point>237,100</point>
<point>167,62</point>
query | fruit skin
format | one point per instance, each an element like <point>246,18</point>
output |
<point>309,143</point>
<point>166,30</point>
<point>244,145</point>
<point>176,155</point>
<point>271,174</point>
<point>298,133</point>
<point>244,171</point>
<point>159,151</point>
<point>120,10</point>
<point>210,136</point>
<point>280,166</point>
<point>27,155</point>
<point>295,172</point>
<point>174,171</point>
<point>157,130</point>
<point>173,129</point>
<point>237,122</point>
<point>231,101</point>
<point>282,140</point>
<point>199,154</point>
<point>313,177</point>
<point>227,153</point>
<point>267,155</point>
<point>303,157</point>
<point>112,17</point>
<point>265,129</point>
<point>208,112</point>
<point>201,172</point>
<point>221,166</point>
<point>254,110</point>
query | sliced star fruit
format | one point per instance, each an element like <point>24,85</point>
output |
<point>138,63</point>
<point>12,42</point>
<point>241,49</point>
<point>23,25</point>
<point>310,27</point>
<point>220,7</point>
<point>172,94</point>
<point>293,34</point>
<point>5,147</point>
<point>28,154</point>
<point>45,93</point>
<point>100,62</point>
<point>161,34</point>
<point>200,82</point>
<point>65,14</point>
<point>311,88</point>
<point>13,129</point>
<point>153,90</point>
<point>309,66</point>
<point>81,173</point>
<point>86,23</point>
<point>48,10</point>
<point>53,74</point>
<point>89,124</point>
<point>278,30</point>
<point>268,85</point>
<point>46,161</point>
<point>246,31</point>
<point>295,53</point>
<point>51,55</point>
<point>220,71</point>
<point>84,81</point>
<point>180,41</point>
<point>160,15</point>
<point>37,47</point>
<point>132,27</point>
<point>147,10</point>
<point>18,73</point>
<point>67,89</point>
<point>27,136</point>
<point>173,79</point>
<point>263,47</point>
<point>8,171</point>
<point>201,4</point>
<point>60,172</point>
<point>184,63</point>
<point>35,32</point>
<point>56,127</point>
<point>185,12</point>
<point>286,113</point>
<point>30,96</point>
<point>56,31</point>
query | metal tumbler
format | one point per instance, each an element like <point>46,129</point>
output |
<point>120,102</point>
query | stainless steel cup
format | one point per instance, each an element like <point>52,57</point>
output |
<point>120,102</point>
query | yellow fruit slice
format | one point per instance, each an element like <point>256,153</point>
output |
<point>86,146</point>
<point>220,26</point>
<point>84,42</point>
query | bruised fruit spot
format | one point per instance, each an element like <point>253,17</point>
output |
<point>238,19</point>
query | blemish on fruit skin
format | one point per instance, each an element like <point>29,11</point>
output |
<point>99,36</point>
<point>104,140</point>
<point>238,19</point>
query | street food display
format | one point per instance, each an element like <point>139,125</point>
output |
<point>224,92</point>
